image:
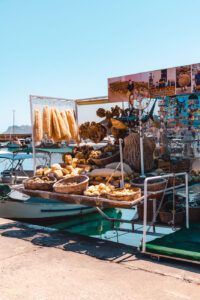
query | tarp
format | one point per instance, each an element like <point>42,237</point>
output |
<point>184,244</point>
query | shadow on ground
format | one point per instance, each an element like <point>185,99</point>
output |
<point>101,249</point>
<point>67,241</point>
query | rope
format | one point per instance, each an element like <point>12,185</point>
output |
<point>113,172</point>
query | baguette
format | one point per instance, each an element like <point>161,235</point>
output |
<point>68,134</point>
<point>38,126</point>
<point>56,128</point>
<point>63,129</point>
<point>73,127</point>
<point>105,172</point>
<point>47,121</point>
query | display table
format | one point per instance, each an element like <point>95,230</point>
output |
<point>79,199</point>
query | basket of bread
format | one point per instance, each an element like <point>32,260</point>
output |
<point>58,171</point>
<point>125,194</point>
<point>74,185</point>
<point>44,183</point>
<point>99,190</point>
<point>105,175</point>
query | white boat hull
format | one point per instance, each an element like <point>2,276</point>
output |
<point>20,206</point>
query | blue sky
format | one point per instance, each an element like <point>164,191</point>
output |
<point>68,48</point>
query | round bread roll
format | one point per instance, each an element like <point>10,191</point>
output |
<point>56,167</point>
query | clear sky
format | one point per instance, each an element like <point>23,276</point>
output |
<point>68,48</point>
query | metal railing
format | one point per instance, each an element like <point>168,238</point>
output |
<point>146,196</point>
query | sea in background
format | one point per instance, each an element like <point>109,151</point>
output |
<point>93,224</point>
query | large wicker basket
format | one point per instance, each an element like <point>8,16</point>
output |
<point>45,186</point>
<point>166,217</point>
<point>140,210</point>
<point>178,181</point>
<point>130,197</point>
<point>107,160</point>
<point>157,186</point>
<point>81,185</point>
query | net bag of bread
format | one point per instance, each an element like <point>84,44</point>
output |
<point>38,134</point>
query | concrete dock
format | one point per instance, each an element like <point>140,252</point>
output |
<point>41,264</point>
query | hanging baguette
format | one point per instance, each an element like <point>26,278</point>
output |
<point>47,122</point>
<point>63,129</point>
<point>73,127</point>
<point>49,136</point>
<point>38,126</point>
<point>56,134</point>
<point>64,117</point>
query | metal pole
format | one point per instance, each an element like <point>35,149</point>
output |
<point>187,200</point>
<point>145,203</point>
<point>13,122</point>
<point>121,162</point>
<point>141,142</point>
<point>144,216</point>
<point>76,111</point>
<point>33,137</point>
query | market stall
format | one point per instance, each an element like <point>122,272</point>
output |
<point>150,150</point>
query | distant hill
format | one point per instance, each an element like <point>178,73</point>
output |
<point>23,129</point>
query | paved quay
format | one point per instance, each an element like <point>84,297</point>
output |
<point>41,264</point>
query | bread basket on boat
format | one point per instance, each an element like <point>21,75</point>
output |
<point>33,184</point>
<point>72,185</point>
<point>122,194</point>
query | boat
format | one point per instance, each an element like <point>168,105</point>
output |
<point>11,145</point>
<point>17,206</point>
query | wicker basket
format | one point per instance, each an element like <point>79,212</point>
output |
<point>46,186</point>
<point>158,186</point>
<point>178,181</point>
<point>164,165</point>
<point>194,214</point>
<point>140,210</point>
<point>107,160</point>
<point>130,197</point>
<point>166,217</point>
<point>96,182</point>
<point>78,189</point>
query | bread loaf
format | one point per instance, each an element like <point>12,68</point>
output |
<point>63,129</point>
<point>56,128</point>
<point>105,172</point>
<point>47,121</point>
<point>38,134</point>
<point>68,134</point>
<point>73,127</point>
<point>114,165</point>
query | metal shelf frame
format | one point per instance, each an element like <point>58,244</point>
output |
<point>144,198</point>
